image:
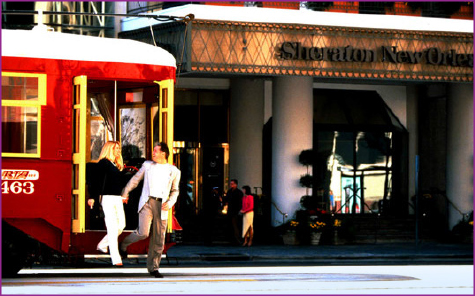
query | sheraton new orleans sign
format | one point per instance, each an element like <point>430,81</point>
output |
<point>318,51</point>
<point>392,54</point>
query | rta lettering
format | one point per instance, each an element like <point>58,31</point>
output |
<point>12,175</point>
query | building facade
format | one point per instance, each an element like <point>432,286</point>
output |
<point>384,102</point>
<point>380,95</point>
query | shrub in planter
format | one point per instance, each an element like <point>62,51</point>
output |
<point>306,181</point>
<point>306,157</point>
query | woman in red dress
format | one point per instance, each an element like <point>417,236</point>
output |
<point>248,216</point>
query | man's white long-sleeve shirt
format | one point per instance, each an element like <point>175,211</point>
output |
<point>160,174</point>
<point>160,180</point>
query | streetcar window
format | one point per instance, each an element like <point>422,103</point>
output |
<point>19,88</point>
<point>19,130</point>
<point>101,121</point>
<point>133,132</point>
<point>22,97</point>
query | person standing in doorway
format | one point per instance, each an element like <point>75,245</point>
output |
<point>248,216</point>
<point>159,194</point>
<point>112,182</point>
<point>234,202</point>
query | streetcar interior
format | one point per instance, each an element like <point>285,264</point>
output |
<point>125,111</point>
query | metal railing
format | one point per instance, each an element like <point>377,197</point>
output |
<point>284,215</point>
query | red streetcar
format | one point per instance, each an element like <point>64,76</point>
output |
<point>63,97</point>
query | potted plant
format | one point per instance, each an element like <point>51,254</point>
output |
<point>337,240</point>
<point>290,235</point>
<point>316,228</point>
<point>463,230</point>
<point>306,181</point>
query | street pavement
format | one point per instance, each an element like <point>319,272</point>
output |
<point>268,255</point>
<point>271,280</point>
<point>397,268</point>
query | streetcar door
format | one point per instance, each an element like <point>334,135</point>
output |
<point>79,154</point>
<point>163,131</point>
<point>136,113</point>
<point>163,123</point>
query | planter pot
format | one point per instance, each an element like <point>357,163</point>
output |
<point>337,239</point>
<point>315,238</point>
<point>290,238</point>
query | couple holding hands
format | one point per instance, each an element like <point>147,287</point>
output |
<point>159,194</point>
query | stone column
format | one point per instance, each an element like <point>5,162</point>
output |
<point>246,124</point>
<point>459,150</point>
<point>292,132</point>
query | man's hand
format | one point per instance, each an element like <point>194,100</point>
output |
<point>165,206</point>
<point>90,203</point>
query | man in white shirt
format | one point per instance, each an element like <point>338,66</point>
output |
<point>159,194</point>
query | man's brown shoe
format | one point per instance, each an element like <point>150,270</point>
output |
<point>156,274</point>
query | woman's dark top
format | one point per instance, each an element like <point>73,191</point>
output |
<point>114,180</point>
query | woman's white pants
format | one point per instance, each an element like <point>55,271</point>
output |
<point>114,218</point>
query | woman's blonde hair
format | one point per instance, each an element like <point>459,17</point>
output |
<point>108,152</point>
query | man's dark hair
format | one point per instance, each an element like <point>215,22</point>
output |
<point>235,181</point>
<point>163,148</point>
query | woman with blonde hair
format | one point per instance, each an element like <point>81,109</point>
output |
<point>112,182</point>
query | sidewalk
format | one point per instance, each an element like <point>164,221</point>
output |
<point>395,253</point>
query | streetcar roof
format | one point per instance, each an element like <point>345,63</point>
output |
<point>62,46</point>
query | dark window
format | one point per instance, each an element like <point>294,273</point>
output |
<point>201,116</point>
<point>358,144</point>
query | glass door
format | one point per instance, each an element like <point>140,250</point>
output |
<point>354,170</point>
